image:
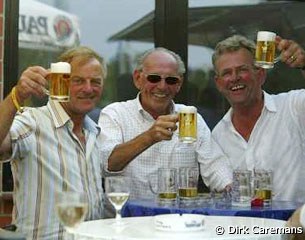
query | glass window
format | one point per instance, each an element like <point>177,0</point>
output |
<point>47,27</point>
<point>210,22</point>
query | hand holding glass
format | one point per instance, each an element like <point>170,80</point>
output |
<point>71,208</point>
<point>117,190</point>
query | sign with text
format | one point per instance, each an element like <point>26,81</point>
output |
<point>44,27</point>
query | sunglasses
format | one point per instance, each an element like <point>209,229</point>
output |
<point>155,78</point>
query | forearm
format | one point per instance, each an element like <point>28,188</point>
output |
<point>8,111</point>
<point>126,152</point>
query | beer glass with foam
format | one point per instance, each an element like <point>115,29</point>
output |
<point>265,49</point>
<point>59,81</point>
<point>188,124</point>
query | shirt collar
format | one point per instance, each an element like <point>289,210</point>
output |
<point>144,113</point>
<point>269,105</point>
<point>60,117</point>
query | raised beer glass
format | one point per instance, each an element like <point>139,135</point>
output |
<point>188,124</point>
<point>59,81</point>
<point>265,49</point>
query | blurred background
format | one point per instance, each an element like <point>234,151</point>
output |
<point>120,30</point>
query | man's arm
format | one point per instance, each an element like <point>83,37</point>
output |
<point>31,82</point>
<point>8,111</point>
<point>123,153</point>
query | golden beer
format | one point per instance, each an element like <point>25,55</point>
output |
<point>265,194</point>
<point>188,124</point>
<point>167,196</point>
<point>188,192</point>
<point>59,81</point>
<point>265,49</point>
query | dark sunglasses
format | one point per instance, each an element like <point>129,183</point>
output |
<point>155,78</point>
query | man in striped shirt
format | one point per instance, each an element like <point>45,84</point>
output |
<point>53,148</point>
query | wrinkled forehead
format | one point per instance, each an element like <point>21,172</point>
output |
<point>160,60</point>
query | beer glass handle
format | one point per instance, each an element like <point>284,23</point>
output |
<point>152,180</point>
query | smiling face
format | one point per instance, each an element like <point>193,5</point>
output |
<point>86,86</point>
<point>156,97</point>
<point>238,79</point>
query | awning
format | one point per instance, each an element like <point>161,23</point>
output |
<point>208,25</point>
<point>42,26</point>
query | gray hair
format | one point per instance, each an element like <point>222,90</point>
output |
<point>232,44</point>
<point>141,59</point>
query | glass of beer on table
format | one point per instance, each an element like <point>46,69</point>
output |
<point>188,181</point>
<point>164,185</point>
<point>263,181</point>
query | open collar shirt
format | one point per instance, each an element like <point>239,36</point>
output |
<point>122,121</point>
<point>48,158</point>
<point>277,143</point>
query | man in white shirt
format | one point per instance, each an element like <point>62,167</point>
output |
<point>139,136</point>
<point>260,130</point>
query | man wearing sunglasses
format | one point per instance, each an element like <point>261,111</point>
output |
<point>140,135</point>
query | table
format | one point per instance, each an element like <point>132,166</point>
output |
<point>281,210</point>
<point>143,228</point>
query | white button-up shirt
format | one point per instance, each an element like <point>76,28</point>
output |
<point>122,121</point>
<point>277,143</point>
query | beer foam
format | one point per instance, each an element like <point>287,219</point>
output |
<point>61,67</point>
<point>265,36</point>
<point>188,109</point>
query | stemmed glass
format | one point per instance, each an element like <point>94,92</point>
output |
<point>71,208</point>
<point>117,190</point>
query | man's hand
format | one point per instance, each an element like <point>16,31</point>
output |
<point>163,128</point>
<point>291,53</point>
<point>32,82</point>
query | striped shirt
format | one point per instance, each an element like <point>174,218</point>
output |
<point>123,121</point>
<point>48,158</point>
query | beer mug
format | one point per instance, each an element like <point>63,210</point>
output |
<point>188,124</point>
<point>166,185</point>
<point>188,182</point>
<point>59,82</point>
<point>241,189</point>
<point>263,186</point>
<point>265,49</point>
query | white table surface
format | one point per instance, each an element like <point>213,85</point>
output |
<point>143,228</point>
